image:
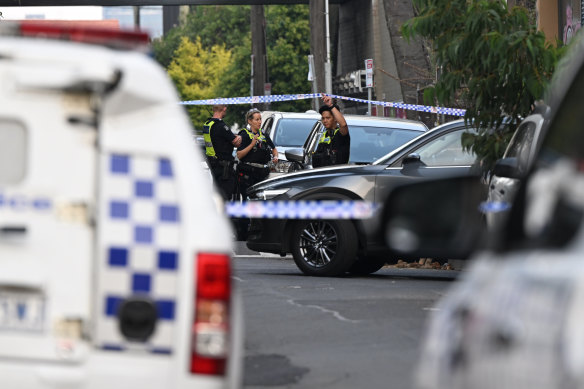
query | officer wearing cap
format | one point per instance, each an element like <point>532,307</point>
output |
<point>335,143</point>
<point>219,143</point>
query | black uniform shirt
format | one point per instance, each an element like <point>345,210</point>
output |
<point>261,153</point>
<point>340,145</point>
<point>221,137</point>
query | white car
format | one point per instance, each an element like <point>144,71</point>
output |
<point>115,260</point>
<point>287,130</point>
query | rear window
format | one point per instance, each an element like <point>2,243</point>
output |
<point>12,152</point>
<point>292,132</point>
<point>371,143</point>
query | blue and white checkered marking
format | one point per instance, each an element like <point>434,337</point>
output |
<point>301,96</point>
<point>140,242</point>
<point>311,209</point>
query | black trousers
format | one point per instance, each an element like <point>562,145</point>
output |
<point>224,178</point>
<point>247,176</point>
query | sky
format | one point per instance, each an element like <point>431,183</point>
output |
<point>61,13</point>
<point>151,17</point>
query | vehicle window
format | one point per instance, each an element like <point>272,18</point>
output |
<point>520,145</point>
<point>445,150</point>
<point>370,143</point>
<point>13,152</point>
<point>292,132</point>
<point>267,126</point>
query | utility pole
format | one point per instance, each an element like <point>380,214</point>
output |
<point>136,17</point>
<point>258,51</point>
<point>317,41</point>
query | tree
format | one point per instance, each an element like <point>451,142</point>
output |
<point>288,37</point>
<point>196,73</point>
<point>491,60</point>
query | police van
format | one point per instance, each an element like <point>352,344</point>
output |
<point>115,256</point>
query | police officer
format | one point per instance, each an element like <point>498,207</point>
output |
<point>219,143</point>
<point>254,153</point>
<point>335,143</point>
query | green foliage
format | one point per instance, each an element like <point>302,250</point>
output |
<point>491,60</point>
<point>196,72</point>
<point>288,41</point>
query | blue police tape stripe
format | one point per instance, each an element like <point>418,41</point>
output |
<point>276,98</point>
<point>494,206</point>
<point>310,209</point>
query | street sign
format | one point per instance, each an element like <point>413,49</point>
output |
<point>369,73</point>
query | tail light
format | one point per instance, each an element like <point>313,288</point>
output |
<point>210,330</point>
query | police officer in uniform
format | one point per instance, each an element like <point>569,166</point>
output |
<point>219,143</point>
<point>254,153</point>
<point>335,143</point>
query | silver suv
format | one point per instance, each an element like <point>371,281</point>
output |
<point>287,130</point>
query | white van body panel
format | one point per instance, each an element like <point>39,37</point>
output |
<point>108,212</point>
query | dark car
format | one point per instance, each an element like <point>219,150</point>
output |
<point>334,247</point>
<point>372,137</point>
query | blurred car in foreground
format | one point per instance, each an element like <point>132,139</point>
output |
<point>287,130</point>
<point>115,261</point>
<point>334,247</point>
<point>514,318</point>
<point>372,137</point>
<point>514,165</point>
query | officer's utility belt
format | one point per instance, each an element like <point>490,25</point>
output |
<point>219,162</point>
<point>258,165</point>
<point>257,171</point>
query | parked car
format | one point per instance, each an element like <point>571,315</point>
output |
<point>115,258</point>
<point>287,130</point>
<point>345,245</point>
<point>514,165</point>
<point>372,137</point>
<point>514,317</point>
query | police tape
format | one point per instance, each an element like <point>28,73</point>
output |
<point>302,209</point>
<point>302,96</point>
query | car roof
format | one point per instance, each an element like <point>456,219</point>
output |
<point>362,120</point>
<point>293,115</point>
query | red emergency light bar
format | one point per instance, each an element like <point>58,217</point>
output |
<point>80,32</point>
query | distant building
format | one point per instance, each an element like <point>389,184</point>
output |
<point>52,13</point>
<point>150,18</point>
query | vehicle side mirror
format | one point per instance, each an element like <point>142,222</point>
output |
<point>435,219</point>
<point>411,158</point>
<point>295,155</point>
<point>507,167</point>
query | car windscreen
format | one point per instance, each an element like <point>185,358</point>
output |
<point>292,132</point>
<point>371,143</point>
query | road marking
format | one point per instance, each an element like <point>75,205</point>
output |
<point>430,309</point>
<point>336,314</point>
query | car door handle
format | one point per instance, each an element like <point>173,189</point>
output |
<point>12,230</point>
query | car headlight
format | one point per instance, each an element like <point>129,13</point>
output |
<point>268,194</point>
<point>282,166</point>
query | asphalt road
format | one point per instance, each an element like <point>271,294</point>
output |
<point>352,332</point>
